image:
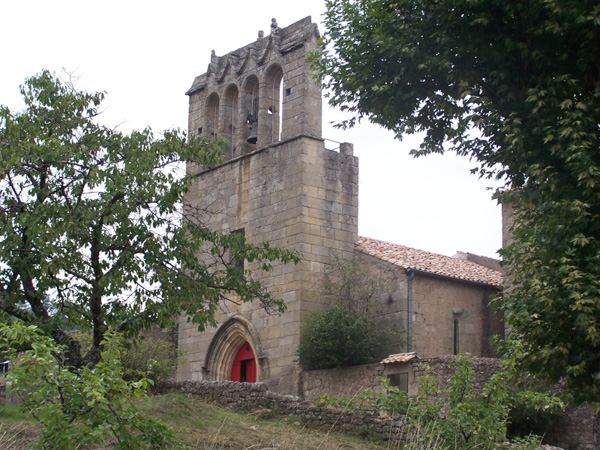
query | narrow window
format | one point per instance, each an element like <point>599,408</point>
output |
<point>236,260</point>
<point>456,332</point>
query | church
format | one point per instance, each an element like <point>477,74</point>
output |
<point>281,183</point>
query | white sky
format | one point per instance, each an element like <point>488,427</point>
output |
<point>145,55</point>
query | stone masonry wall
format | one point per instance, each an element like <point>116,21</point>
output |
<point>349,381</point>
<point>256,396</point>
<point>437,303</point>
<point>577,428</point>
<point>342,382</point>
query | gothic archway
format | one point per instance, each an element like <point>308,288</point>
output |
<point>230,344</point>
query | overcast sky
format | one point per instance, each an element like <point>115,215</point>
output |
<point>145,55</point>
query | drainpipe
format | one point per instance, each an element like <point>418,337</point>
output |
<point>411,275</point>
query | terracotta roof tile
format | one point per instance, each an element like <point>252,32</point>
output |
<point>400,358</point>
<point>411,258</point>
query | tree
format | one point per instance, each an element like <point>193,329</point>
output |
<point>516,87</point>
<point>94,230</point>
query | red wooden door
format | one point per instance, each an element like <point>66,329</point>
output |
<point>244,365</point>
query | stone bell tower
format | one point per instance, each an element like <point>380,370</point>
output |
<point>260,94</point>
<point>279,183</point>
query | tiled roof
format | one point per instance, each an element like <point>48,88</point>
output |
<point>411,258</point>
<point>400,358</point>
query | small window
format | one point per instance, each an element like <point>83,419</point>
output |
<point>399,380</point>
<point>239,263</point>
<point>456,334</point>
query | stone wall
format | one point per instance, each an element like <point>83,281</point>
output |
<point>342,382</point>
<point>575,429</point>
<point>437,302</point>
<point>578,428</point>
<point>256,396</point>
<point>349,381</point>
<point>440,368</point>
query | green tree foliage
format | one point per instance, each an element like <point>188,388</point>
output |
<point>339,337</point>
<point>83,408</point>
<point>516,87</point>
<point>94,229</point>
<point>149,357</point>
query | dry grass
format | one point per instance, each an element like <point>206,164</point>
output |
<point>17,435</point>
<point>210,427</point>
<point>207,426</point>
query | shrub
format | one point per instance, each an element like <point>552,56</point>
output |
<point>525,419</point>
<point>147,356</point>
<point>460,415</point>
<point>340,337</point>
<point>84,407</point>
<point>391,402</point>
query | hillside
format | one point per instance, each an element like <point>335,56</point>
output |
<point>204,426</point>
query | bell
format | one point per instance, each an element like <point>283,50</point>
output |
<point>253,135</point>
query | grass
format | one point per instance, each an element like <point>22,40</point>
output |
<point>203,425</point>
<point>206,426</point>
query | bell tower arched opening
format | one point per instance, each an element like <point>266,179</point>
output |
<point>250,107</point>
<point>273,99</point>
<point>230,120</point>
<point>211,124</point>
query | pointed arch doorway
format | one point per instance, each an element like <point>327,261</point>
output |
<point>244,365</point>
<point>235,353</point>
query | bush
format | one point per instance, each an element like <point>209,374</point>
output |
<point>149,357</point>
<point>340,337</point>
<point>79,408</point>
<point>459,415</point>
<point>146,356</point>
